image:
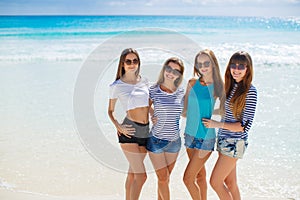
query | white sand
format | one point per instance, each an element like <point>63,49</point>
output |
<point>11,195</point>
<point>42,159</point>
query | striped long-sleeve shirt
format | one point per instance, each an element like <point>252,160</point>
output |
<point>247,115</point>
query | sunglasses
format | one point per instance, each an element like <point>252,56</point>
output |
<point>237,66</point>
<point>175,72</point>
<point>205,64</point>
<point>129,62</point>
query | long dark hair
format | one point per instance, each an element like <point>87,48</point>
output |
<point>121,70</point>
<point>218,82</point>
<point>238,100</point>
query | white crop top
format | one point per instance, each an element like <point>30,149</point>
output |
<point>131,96</point>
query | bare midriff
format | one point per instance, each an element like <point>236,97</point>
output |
<point>140,115</point>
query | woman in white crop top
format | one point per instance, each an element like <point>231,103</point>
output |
<point>132,92</point>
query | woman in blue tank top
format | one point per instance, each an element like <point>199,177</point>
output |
<point>200,98</point>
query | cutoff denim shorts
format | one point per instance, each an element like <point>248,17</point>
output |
<point>232,147</point>
<point>199,143</point>
<point>156,145</point>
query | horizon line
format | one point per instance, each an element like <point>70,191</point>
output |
<point>138,15</point>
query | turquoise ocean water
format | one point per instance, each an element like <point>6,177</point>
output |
<point>41,57</point>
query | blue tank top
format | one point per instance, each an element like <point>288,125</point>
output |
<point>200,105</point>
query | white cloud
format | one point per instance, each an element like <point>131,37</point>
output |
<point>154,7</point>
<point>293,1</point>
<point>149,3</point>
<point>117,3</point>
<point>158,3</point>
<point>188,1</point>
<point>238,2</point>
<point>206,1</point>
<point>213,2</point>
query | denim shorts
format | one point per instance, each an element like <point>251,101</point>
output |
<point>140,136</point>
<point>156,145</point>
<point>199,143</point>
<point>232,147</point>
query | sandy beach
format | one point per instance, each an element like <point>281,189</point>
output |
<point>11,195</point>
<point>47,153</point>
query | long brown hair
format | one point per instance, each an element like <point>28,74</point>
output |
<point>121,70</point>
<point>238,100</point>
<point>218,82</point>
<point>177,61</point>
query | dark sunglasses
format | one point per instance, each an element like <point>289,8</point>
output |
<point>205,64</point>
<point>129,62</point>
<point>237,66</point>
<point>175,72</point>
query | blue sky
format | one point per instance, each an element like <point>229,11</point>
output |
<point>152,7</point>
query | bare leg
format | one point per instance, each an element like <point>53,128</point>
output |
<point>222,169</point>
<point>201,177</point>
<point>163,183</point>
<point>195,173</point>
<point>128,183</point>
<point>231,183</point>
<point>171,160</point>
<point>135,156</point>
<point>163,164</point>
<point>158,195</point>
<point>201,181</point>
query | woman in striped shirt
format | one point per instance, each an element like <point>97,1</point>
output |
<point>164,144</point>
<point>240,105</point>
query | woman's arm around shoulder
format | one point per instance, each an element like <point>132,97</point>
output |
<point>189,86</point>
